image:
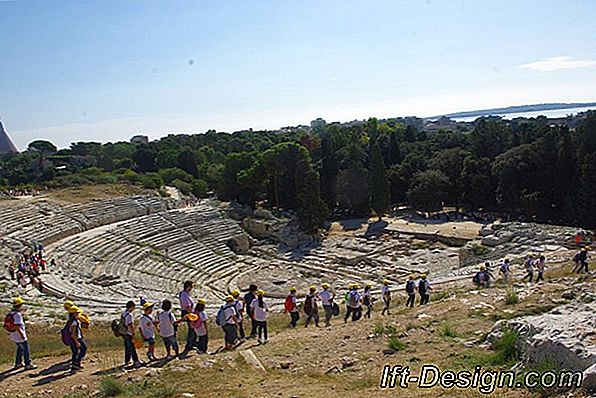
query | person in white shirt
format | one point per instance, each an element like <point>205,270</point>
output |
<point>353,303</point>
<point>187,305</point>
<point>230,318</point>
<point>200,326</point>
<point>326,296</point>
<point>167,328</point>
<point>239,303</point>
<point>130,352</point>
<point>260,309</point>
<point>147,329</point>
<point>386,295</point>
<point>18,335</point>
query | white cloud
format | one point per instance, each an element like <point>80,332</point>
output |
<point>558,63</point>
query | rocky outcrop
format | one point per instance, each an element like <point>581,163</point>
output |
<point>565,335</point>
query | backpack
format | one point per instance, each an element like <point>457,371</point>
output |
<point>308,305</point>
<point>289,304</point>
<point>118,327</point>
<point>410,287</point>
<point>335,309</point>
<point>84,320</point>
<point>9,324</point>
<point>422,287</point>
<point>353,302</point>
<point>65,334</point>
<point>476,278</point>
<point>220,319</point>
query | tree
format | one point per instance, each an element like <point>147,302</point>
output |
<point>45,147</point>
<point>394,154</point>
<point>378,183</point>
<point>234,165</point>
<point>329,170</point>
<point>199,188</point>
<point>144,159</point>
<point>429,190</point>
<point>187,161</point>
<point>312,211</point>
<point>352,190</point>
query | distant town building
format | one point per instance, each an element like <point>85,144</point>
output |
<point>6,145</point>
<point>318,123</point>
<point>139,139</point>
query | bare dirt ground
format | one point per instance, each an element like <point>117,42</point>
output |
<point>345,360</point>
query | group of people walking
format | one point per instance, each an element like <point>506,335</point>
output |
<point>236,313</point>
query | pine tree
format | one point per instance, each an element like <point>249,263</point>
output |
<point>378,183</point>
<point>312,211</point>
<point>329,170</point>
<point>394,152</point>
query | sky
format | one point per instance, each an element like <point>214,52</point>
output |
<point>107,70</point>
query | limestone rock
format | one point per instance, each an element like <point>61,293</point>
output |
<point>564,334</point>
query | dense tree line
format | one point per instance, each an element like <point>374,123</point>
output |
<point>525,168</point>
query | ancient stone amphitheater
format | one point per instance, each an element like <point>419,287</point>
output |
<point>110,251</point>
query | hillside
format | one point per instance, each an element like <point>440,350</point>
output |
<point>345,359</point>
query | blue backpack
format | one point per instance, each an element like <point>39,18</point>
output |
<point>221,320</point>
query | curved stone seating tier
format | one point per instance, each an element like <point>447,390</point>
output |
<point>149,256</point>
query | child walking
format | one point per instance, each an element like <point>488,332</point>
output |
<point>260,309</point>
<point>200,326</point>
<point>147,329</point>
<point>167,329</point>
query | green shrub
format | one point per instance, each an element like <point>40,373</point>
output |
<point>169,175</point>
<point>448,330</point>
<point>506,348</point>
<point>396,344</point>
<point>480,250</point>
<point>511,297</point>
<point>184,187</point>
<point>379,329</point>
<point>110,387</point>
<point>199,188</point>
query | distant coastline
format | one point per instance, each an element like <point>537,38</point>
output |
<point>516,109</point>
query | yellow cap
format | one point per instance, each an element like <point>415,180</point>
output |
<point>356,286</point>
<point>423,276</point>
<point>73,309</point>
<point>368,285</point>
<point>260,292</point>
<point>351,285</point>
<point>148,305</point>
<point>482,268</point>
<point>235,293</point>
<point>17,301</point>
<point>68,304</point>
<point>202,301</point>
<point>292,289</point>
<point>312,288</point>
<point>325,285</point>
<point>385,282</point>
<point>229,299</point>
